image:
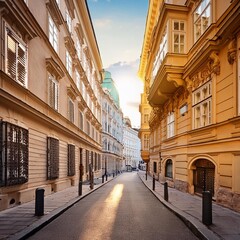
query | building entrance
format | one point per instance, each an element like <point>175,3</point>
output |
<point>204,176</point>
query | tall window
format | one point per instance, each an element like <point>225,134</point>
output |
<point>78,82</point>
<point>168,169</point>
<point>88,128</point>
<point>87,161</point>
<point>202,18</point>
<point>178,36</point>
<point>52,158</point>
<point>70,110</point>
<point>53,34</point>
<point>202,105</point>
<point>79,49</point>
<point>163,48</point>
<point>146,141</point>
<point>170,125</point>
<point>14,154</point>
<point>80,120</point>
<point>68,21</point>
<point>69,63</point>
<point>16,57</point>
<point>53,91</point>
<point>71,160</point>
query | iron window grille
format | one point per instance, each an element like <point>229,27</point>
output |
<point>52,158</point>
<point>71,160</point>
<point>13,154</point>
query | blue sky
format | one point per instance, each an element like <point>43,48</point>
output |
<point>119,27</point>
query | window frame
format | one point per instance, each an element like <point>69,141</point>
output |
<point>69,63</point>
<point>180,32</point>
<point>71,160</point>
<point>53,33</point>
<point>53,92</point>
<point>169,166</point>
<point>52,158</point>
<point>70,109</point>
<point>170,125</point>
<point>19,61</point>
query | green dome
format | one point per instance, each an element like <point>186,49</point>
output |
<point>110,85</point>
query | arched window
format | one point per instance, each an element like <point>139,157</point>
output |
<point>168,169</point>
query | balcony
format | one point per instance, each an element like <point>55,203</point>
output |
<point>168,79</point>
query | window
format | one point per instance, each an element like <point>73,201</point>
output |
<point>168,169</point>
<point>53,34</point>
<point>163,48</point>
<point>170,125</point>
<point>146,142</point>
<point>69,63</point>
<point>178,36</point>
<point>16,58</point>
<point>202,18</point>
<point>14,154</point>
<point>87,161</point>
<point>78,82</point>
<point>53,92</point>
<point>70,110</point>
<point>52,158</point>
<point>202,105</point>
<point>68,21</point>
<point>80,120</point>
<point>145,118</point>
<point>71,160</point>
<point>79,49</point>
<point>88,128</point>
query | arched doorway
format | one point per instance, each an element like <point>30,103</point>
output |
<point>203,176</point>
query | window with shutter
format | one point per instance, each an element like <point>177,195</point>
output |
<point>52,158</point>
<point>53,33</point>
<point>53,92</point>
<point>16,58</point>
<point>14,154</point>
<point>70,110</point>
<point>71,160</point>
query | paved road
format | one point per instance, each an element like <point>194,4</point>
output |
<point>122,209</point>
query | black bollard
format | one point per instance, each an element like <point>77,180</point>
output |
<point>153,186</point>
<point>207,208</point>
<point>102,178</point>
<point>39,202</point>
<point>106,177</point>
<point>113,174</point>
<point>166,191</point>
<point>80,188</point>
<point>146,176</point>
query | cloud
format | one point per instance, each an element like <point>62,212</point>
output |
<point>102,22</point>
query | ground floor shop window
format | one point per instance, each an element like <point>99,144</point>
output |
<point>168,169</point>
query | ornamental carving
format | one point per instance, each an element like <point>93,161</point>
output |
<point>232,51</point>
<point>214,63</point>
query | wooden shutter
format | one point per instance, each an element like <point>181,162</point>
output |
<point>11,57</point>
<point>71,160</point>
<point>52,158</point>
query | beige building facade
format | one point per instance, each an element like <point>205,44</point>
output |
<point>50,98</point>
<point>190,65</point>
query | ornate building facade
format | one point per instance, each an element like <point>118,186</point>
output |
<point>190,66</point>
<point>50,97</point>
<point>131,145</point>
<point>112,127</point>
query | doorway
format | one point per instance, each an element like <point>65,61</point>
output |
<point>204,176</point>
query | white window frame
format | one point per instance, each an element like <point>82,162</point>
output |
<point>68,21</point>
<point>53,33</point>
<point>81,120</point>
<point>170,125</point>
<point>202,105</point>
<point>146,141</point>
<point>17,67</point>
<point>69,63</point>
<point>79,49</point>
<point>202,18</point>
<point>53,90</point>
<point>78,81</point>
<point>163,49</point>
<point>179,36</point>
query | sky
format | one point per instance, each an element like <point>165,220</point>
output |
<point>119,27</point>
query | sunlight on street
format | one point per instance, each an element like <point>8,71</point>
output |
<point>107,215</point>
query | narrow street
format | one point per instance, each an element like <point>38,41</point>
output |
<point>122,209</point>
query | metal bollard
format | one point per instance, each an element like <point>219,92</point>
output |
<point>106,177</point>
<point>207,208</point>
<point>153,186</point>
<point>102,178</point>
<point>39,202</point>
<point>80,188</point>
<point>113,174</point>
<point>146,176</point>
<point>165,191</point>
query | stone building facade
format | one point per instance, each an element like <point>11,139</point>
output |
<point>50,97</point>
<point>131,145</point>
<point>190,65</point>
<point>112,127</point>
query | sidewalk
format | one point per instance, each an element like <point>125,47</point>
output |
<point>19,222</point>
<point>226,223</point>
